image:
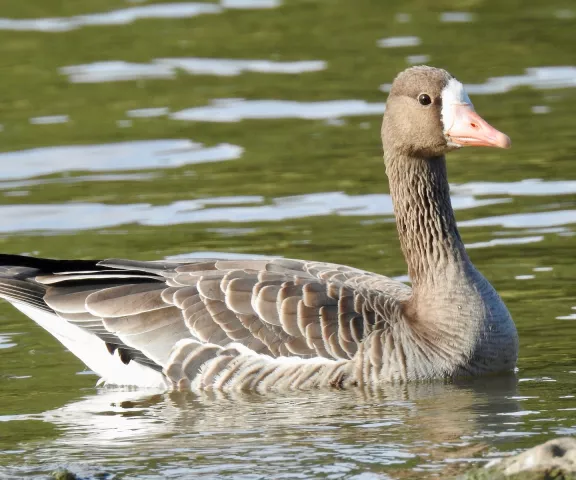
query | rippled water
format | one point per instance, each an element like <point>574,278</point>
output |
<point>114,71</point>
<point>246,127</point>
<point>125,16</point>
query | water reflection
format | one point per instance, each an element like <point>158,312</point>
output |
<point>565,14</point>
<point>241,4</point>
<point>571,316</point>
<point>125,16</point>
<point>417,59</point>
<point>148,112</point>
<point>114,17</point>
<point>49,119</point>
<point>79,216</point>
<point>237,109</point>
<point>113,71</point>
<point>403,17</point>
<point>66,179</point>
<point>394,42</point>
<point>6,341</point>
<point>540,109</point>
<point>456,17</point>
<point>312,435</point>
<point>524,220</point>
<point>112,156</point>
<point>538,77</point>
<point>505,241</point>
<point>527,187</point>
<point>400,424</point>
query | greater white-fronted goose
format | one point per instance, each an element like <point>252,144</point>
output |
<point>295,324</point>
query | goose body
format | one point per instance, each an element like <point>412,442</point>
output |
<point>278,324</point>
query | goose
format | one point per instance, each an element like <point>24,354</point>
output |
<point>284,324</point>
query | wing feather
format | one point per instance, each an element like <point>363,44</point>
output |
<point>164,314</point>
<point>126,300</point>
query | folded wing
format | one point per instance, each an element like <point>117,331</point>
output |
<point>276,307</point>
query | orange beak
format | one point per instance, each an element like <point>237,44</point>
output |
<point>470,129</point>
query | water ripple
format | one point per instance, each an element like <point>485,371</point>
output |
<point>237,109</point>
<point>125,16</point>
<point>114,71</point>
<point>394,42</point>
<point>6,341</point>
<point>537,77</point>
<point>134,155</point>
<point>79,216</point>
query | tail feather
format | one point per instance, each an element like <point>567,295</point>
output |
<point>47,264</point>
<point>17,284</point>
<point>29,282</point>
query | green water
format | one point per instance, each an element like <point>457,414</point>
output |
<point>51,415</point>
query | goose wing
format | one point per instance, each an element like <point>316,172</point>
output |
<point>276,307</point>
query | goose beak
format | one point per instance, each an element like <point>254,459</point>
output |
<point>470,129</point>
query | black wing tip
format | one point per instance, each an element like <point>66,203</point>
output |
<point>48,265</point>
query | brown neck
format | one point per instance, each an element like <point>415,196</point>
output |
<point>424,217</point>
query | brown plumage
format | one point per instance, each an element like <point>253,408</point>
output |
<point>295,324</point>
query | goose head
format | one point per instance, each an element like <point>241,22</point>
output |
<point>429,113</point>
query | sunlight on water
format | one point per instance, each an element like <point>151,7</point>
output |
<point>78,216</point>
<point>148,112</point>
<point>128,15</point>
<point>250,3</point>
<point>456,17</point>
<point>114,17</point>
<point>278,154</point>
<point>115,156</point>
<point>114,71</point>
<point>68,179</point>
<point>237,109</point>
<point>122,426</point>
<point>505,241</point>
<point>49,120</point>
<point>18,218</point>
<point>539,77</point>
<point>5,341</point>
<point>527,187</point>
<point>417,59</point>
<point>525,220</point>
<point>393,42</point>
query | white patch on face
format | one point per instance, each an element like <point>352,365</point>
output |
<point>453,94</point>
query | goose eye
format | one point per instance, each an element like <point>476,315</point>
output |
<point>424,99</point>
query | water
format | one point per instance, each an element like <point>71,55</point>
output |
<point>142,155</point>
<point>262,137</point>
<point>236,109</point>
<point>112,71</point>
<point>128,15</point>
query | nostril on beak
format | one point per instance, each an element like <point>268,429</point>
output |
<point>474,125</point>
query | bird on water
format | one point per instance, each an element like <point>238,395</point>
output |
<point>282,324</point>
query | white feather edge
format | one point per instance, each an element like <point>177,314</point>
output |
<point>93,352</point>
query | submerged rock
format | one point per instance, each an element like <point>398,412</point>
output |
<point>555,459</point>
<point>559,454</point>
<point>63,474</point>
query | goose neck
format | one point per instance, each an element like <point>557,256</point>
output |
<point>425,219</point>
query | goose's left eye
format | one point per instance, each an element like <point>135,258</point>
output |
<point>424,99</point>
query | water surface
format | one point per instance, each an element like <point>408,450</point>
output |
<point>251,127</point>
